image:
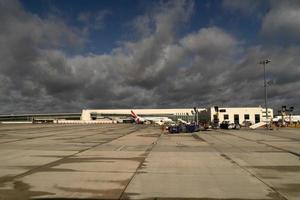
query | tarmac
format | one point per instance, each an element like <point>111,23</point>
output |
<point>125,161</point>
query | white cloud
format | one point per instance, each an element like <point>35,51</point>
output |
<point>208,40</point>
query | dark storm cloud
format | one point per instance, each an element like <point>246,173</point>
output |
<point>282,21</point>
<point>159,69</point>
<point>283,72</point>
<point>32,70</point>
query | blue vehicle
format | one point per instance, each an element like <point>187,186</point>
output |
<point>183,128</point>
<point>174,129</point>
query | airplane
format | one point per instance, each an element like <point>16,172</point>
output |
<point>293,118</point>
<point>157,120</point>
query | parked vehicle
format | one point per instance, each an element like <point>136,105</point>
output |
<point>183,128</point>
<point>174,129</point>
<point>237,126</point>
<point>224,124</point>
<point>247,123</point>
<point>227,125</point>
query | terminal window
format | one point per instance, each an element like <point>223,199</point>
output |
<point>257,118</point>
<point>246,117</point>
<point>236,118</point>
<point>226,117</point>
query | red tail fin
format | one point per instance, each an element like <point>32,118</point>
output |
<point>133,114</point>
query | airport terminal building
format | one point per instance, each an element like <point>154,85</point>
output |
<point>239,115</point>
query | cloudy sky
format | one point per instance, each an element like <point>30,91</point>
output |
<point>63,56</point>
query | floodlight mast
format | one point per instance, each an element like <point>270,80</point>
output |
<point>264,62</point>
<point>197,115</point>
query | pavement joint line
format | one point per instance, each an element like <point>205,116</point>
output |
<point>51,164</point>
<point>47,129</point>
<point>29,138</point>
<point>32,138</point>
<point>265,132</point>
<point>260,142</point>
<point>281,149</point>
<point>147,152</point>
<point>228,142</point>
<point>282,197</point>
<point>120,148</point>
<point>292,139</point>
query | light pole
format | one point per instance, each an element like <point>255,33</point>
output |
<point>196,115</point>
<point>264,62</point>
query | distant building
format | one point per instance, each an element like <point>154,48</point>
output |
<point>240,115</point>
<point>39,118</point>
<point>88,115</point>
<point>233,114</point>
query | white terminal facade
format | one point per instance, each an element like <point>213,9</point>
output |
<point>241,114</point>
<point>232,114</point>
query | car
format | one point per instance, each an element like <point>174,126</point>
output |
<point>237,126</point>
<point>226,124</point>
<point>174,129</point>
<point>246,123</point>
